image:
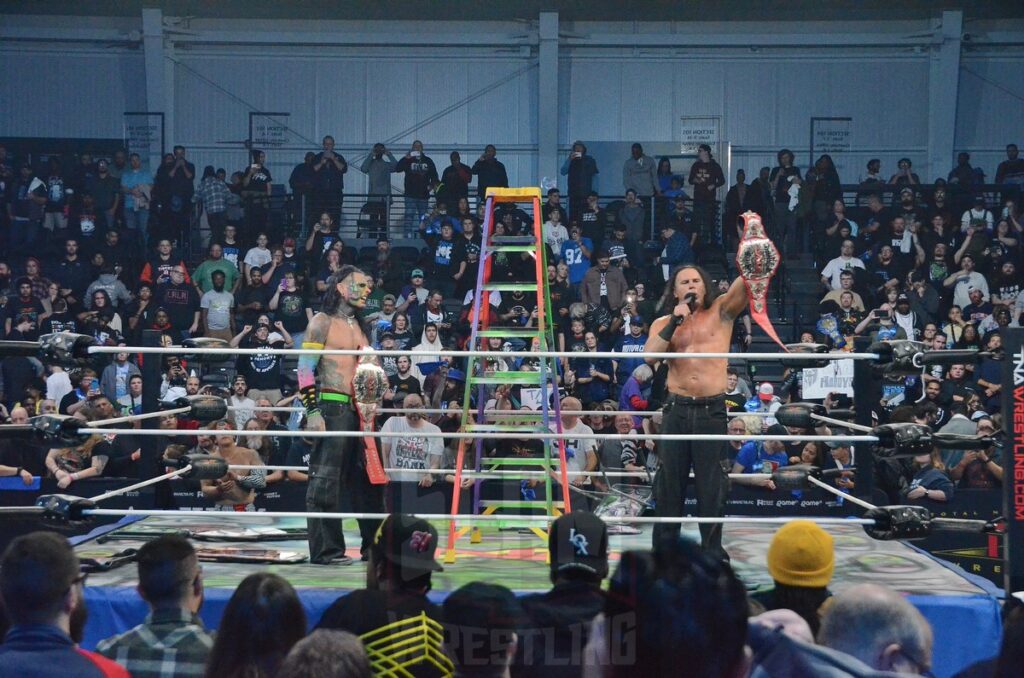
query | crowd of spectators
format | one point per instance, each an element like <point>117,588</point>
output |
<point>101,248</point>
<point>670,607</point>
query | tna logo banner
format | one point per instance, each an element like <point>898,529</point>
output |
<point>1018,368</point>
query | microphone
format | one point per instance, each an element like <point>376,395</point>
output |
<point>691,301</point>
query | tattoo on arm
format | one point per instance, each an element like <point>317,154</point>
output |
<point>316,334</point>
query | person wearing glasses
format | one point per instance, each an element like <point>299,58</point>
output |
<point>42,590</point>
<point>172,640</point>
<point>403,448</point>
<point>879,627</point>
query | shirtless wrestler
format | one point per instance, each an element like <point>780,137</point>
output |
<point>337,468</point>
<point>695,402</point>
<point>234,491</point>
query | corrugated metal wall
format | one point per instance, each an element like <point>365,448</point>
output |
<point>68,93</point>
<point>764,102</point>
<point>358,101</point>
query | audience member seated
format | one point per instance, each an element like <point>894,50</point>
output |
<point>172,640</point>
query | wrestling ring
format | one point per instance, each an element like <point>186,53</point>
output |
<point>871,540</point>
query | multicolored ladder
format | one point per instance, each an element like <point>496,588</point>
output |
<point>478,380</point>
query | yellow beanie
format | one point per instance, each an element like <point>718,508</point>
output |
<point>801,554</point>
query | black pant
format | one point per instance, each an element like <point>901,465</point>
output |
<point>686,415</point>
<point>338,482</point>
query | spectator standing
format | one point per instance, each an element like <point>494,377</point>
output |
<point>677,250</point>
<point>176,196</point>
<point>420,179</point>
<point>1010,172</point>
<point>489,172</point>
<point>576,254</point>
<point>58,196</point>
<point>329,185</point>
<point>213,195</point>
<point>262,371</point>
<point>784,218</point>
<point>964,281</point>
<point>116,376</point>
<point>181,301</point>
<point>580,169</point>
<point>455,180</point>
<point>603,285</point>
<point>831,275</point>
<point>243,407</point>
<point>639,174</point>
<point>302,181</point>
<point>217,309</point>
<point>632,215</point>
<point>172,639</point>
<point>215,263</point>
<point>706,177</point>
<point>157,270</point>
<point>105,188</point>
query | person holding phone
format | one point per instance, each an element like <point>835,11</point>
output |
<point>86,385</point>
<point>581,169</point>
<point>329,170</point>
<point>420,179</point>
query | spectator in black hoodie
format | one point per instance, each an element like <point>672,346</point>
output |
<point>454,182</point>
<point>489,172</point>
<point>581,170</point>
<point>420,178</point>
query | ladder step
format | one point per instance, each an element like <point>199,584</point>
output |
<point>521,332</point>
<point>520,504</point>
<point>518,194</point>
<point>491,249</point>
<point>510,287</point>
<point>513,240</point>
<point>521,461</point>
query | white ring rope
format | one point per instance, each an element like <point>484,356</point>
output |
<point>499,413</point>
<point>473,435</point>
<point>491,517</point>
<point>839,493</point>
<point>129,418</point>
<point>839,422</point>
<point>185,351</point>
<point>144,483</point>
<point>498,472</point>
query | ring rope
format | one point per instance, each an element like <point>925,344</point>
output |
<point>492,517</point>
<point>473,435</point>
<point>495,472</point>
<point>186,351</point>
<point>839,493</point>
<point>145,483</point>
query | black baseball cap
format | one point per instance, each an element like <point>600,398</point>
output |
<point>579,541</point>
<point>408,542</point>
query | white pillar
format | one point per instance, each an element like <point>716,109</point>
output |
<point>156,73</point>
<point>943,92</point>
<point>547,97</point>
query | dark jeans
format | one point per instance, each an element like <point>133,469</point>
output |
<point>338,482</point>
<point>686,415</point>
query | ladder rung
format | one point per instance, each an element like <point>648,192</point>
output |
<point>518,194</point>
<point>510,287</point>
<point>532,249</point>
<point>522,332</point>
<point>519,503</point>
<point>513,240</point>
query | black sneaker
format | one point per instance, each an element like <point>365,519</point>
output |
<point>341,560</point>
<point>364,556</point>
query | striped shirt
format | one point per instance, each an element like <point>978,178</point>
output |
<point>169,643</point>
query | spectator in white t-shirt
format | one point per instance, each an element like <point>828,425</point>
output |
<point>259,256</point>
<point>580,450</point>
<point>555,234</point>
<point>404,449</point>
<point>831,275</point>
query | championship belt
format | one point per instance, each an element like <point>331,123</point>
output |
<point>368,385</point>
<point>756,259</point>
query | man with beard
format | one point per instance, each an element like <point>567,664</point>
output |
<point>336,467</point>
<point>42,592</point>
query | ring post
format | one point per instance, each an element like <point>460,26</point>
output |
<point>149,464</point>
<point>867,395</point>
<point>1013,457</point>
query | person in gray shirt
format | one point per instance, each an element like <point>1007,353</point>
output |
<point>377,167</point>
<point>638,173</point>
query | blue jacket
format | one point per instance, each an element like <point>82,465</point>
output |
<point>677,251</point>
<point>42,651</point>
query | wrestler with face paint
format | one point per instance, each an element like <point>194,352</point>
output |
<point>336,465</point>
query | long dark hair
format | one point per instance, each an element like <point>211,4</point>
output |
<point>261,623</point>
<point>805,601</point>
<point>332,297</point>
<point>668,300</point>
